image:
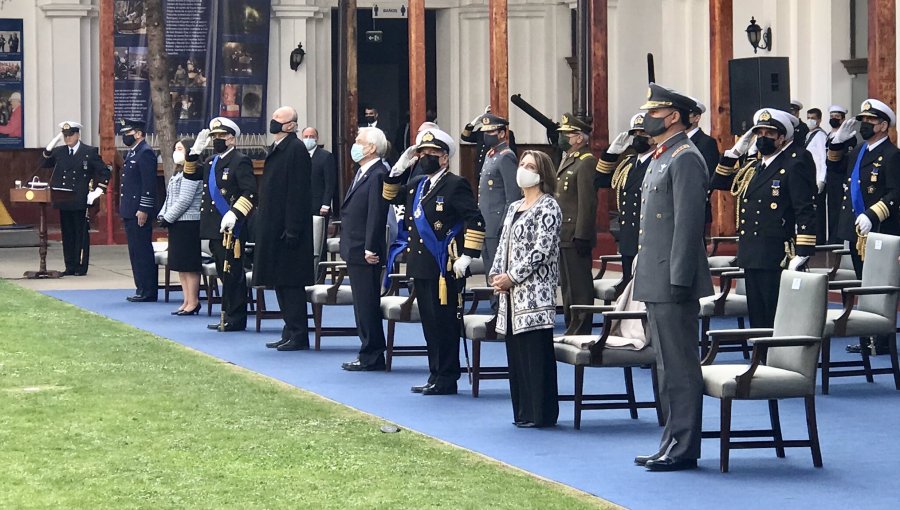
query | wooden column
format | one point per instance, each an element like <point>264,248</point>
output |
<point>416,66</point>
<point>721,50</point>
<point>348,92</point>
<point>883,51</point>
<point>106,118</point>
<point>598,109</point>
<point>499,48</point>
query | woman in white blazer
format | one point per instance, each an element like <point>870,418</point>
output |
<point>525,274</point>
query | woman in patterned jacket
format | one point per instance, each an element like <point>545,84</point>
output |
<point>526,273</point>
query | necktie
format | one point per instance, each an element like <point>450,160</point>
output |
<point>71,151</point>
<point>356,179</point>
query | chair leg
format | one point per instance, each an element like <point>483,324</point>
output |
<point>260,306</point>
<point>579,394</point>
<point>813,430</point>
<point>389,349</point>
<point>826,363</point>
<point>655,381</point>
<point>776,428</point>
<point>740,321</point>
<point>629,391</point>
<point>867,363</point>
<point>168,279</point>
<point>317,320</point>
<point>704,340</point>
<point>725,435</point>
<point>895,365</point>
<point>476,365</point>
<point>209,294</point>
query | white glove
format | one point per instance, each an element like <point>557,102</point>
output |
<point>228,221</point>
<point>460,266</point>
<point>93,195</point>
<point>741,146</point>
<point>53,143</point>
<point>864,224</point>
<point>846,131</point>
<point>821,186</point>
<point>201,142</point>
<point>407,159</point>
<point>797,262</point>
<point>487,109</point>
<point>619,143</point>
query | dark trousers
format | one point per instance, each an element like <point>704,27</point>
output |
<point>441,328</point>
<point>292,303</point>
<point>762,295</point>
<point>75,239</point>
<point>627,268</point>
<point>234,284</point>
<point>532,377</point>
<point>834,197</point>
<point>821,215</point>
<point>674,330</point>
<point>140,251</point>
<point>365,284</point>
<point>577,289</point>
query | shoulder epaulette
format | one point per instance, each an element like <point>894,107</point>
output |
<point>681,149</point>
<point>585,156</point>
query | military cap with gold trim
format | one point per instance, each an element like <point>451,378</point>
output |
<point>223,125</point>
<point>637,123</point>
<point>126,125</point>
<point>774,119</point>
<point>661,97</point>
<point>436,139</point>
<point>836,108</point>
<point>875,108</point>
<point>490,122</point>
<point>69,127</point>
<point>572,124</point>
<point>698,108</point>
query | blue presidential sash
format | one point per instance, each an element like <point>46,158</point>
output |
<point>396,248</point>
<point>439,249</point>
<point>859,206</point>
<point>218,199</point>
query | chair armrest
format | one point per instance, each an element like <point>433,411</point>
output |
<point>785,341</point>
<point>336,223</point>
<point>719,271</point>
<point>842,251</point>
<point>739,334</point>
<point>844,284</point>
<point>604,261</point>
<point>332,263</point>
<point>397,279</point>
<point>592,308</point>
<point>479,294</point>
<point>829,247</point>
<point>725,279</point>
<point>868,291</point>
<point>624,315</point>
<point>760,348</point>
<point>734,275</point>
<point>717,240</point>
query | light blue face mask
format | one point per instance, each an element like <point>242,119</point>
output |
<point>309,143</point>
<point>356,153</point>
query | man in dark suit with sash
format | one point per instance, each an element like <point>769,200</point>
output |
<point>443,221</point>
<point>229,195</point>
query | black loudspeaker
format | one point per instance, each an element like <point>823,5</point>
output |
<point>755,83</point>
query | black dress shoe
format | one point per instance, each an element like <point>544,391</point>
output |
<point>79,273</point>
<point>642,460</point>
<point>420,389</point>
<point>68,272</point>
<point>357,366</point>
<point>665,463</point>
<point>275,344</point>
<point>143,299</point>
<point>195,311</point>
<point>226,327</point>
<point>879,349</point>
<point>293,345</point>
<point>434,389</point>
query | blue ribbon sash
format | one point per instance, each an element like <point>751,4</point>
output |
<point>439,249</point>
<point>859,206</point>
<point>217,198</point>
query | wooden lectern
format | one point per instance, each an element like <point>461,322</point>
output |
<point>42,198</point>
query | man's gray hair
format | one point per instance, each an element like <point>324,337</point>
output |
<point>376,137</point>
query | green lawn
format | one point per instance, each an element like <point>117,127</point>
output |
<point>98,414</point>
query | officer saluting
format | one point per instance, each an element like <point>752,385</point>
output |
<point>775,213</point>
<point>229,195</point>
<point>626,179</point>
<point>443,220</point>
<point>76,168</point>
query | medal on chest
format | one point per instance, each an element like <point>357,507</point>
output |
<point>439,204</point>
<point>873,177</point>
<point>776,188</point>
<point>225,174</point>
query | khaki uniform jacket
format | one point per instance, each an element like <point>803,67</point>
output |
<point>577,198</point>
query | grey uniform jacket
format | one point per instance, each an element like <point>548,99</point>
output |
<point>671,248</point>
<point>497,188</point>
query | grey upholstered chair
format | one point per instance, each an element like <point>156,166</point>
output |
<point>841,268</point>
<point>875,313</point>
<point>720,261</point>
<point>728,302</point>
<point>161,257</point>
<point>399,308</point>
<point>608,289</point>
<point>784,366</point>
<point>210,276</point>
<point>482,328</point>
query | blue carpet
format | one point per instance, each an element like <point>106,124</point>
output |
<point>857,422</point>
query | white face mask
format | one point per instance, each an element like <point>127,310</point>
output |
<point>811,123</point>
<point>526,178</point>
<point>309,143</point>
<point>178,156</point>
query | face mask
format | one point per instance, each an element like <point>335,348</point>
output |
<point>491,140</point>
<point>526,178</point>
<point>128,140</point>
<point>866,130</point>
<point>811,123</point>
<point>275,127</point>
<point>309,143</point>
<point>178,156</point>
<point>563,142</point>
<point>641,144</point>
<point>765,145</point>
<point>357,153</point>
<point>430,163</point>
<point>219,145</point>
<point>835,123</point>
<point>370,119</point>
<point>654,126</point>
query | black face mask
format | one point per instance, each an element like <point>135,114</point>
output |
<point>765,145</point>
<point>835,123</point>
<point>370,119</point>
<point>219,145</point>
<point>128,140</point>
<point>491,140</point>
<point>430,163</point>
<point>641,144</point>
<point>654,126</point>
<point>275,127</point>
<point>866,130</point>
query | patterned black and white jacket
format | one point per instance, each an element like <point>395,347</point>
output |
<point>529,255</point>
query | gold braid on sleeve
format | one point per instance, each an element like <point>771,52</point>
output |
<point>619,178</point>
<point>739,188</point>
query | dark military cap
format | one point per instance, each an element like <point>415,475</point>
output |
<point>661,97</point>
<point>571,124</point>
<point>126,125</point>
<point>490,122</point>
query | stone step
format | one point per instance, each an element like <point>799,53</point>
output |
<point>18,236</point>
